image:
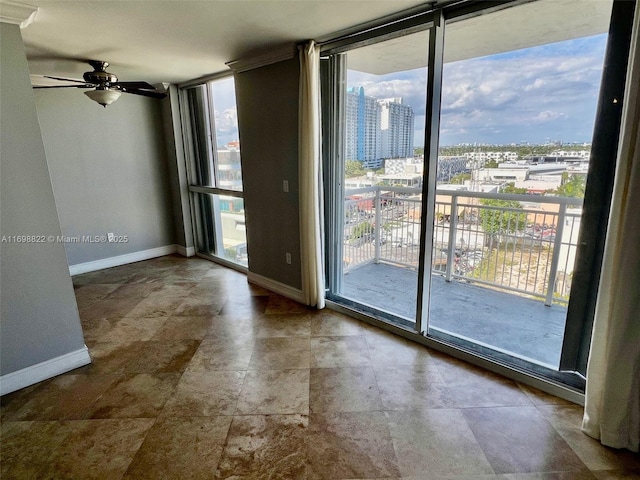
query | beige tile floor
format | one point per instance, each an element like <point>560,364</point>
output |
<point>198,374</point>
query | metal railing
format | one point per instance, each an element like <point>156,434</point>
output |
<point>520,243</point>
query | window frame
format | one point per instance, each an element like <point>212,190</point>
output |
<point>207,233</point>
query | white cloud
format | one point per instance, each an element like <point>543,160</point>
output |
<point>227,118</point>
<point>394,88</point>
<point>529,95</point>
<point>410,86</point>
<point>226,122</point>
<point>548,115</point>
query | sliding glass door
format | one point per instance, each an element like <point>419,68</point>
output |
<point>381,113</point>
<point>516,128</point>
<point>458,149</point>
<point>213,152</point>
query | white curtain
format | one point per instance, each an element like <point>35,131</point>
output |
<point>612,400</point>
<point>310,177</point>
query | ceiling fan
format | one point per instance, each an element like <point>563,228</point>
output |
<point>105,86</point>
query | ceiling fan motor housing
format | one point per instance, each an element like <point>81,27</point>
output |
<point>99,76</point>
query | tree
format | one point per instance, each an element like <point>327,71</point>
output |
<point>520,150</point>
<point>353,168</point>
<point>460,178</point>
<point>572,186</point>
<point>511,188</point>
<point>361,230</point>
<point>491,164</point>
<point>497,220</point>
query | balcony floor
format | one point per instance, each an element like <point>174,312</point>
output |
<point>503,321</point>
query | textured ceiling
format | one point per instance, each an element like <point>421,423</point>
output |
<point>178,40</point>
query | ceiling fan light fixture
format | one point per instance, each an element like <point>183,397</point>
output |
<point>105,86</point>
<point>103,96</point>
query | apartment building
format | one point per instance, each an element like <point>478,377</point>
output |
<point>377,129</point>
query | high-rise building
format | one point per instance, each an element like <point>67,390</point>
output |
<point>362,128</point>
<point>351,126</point>
<point>229,170</point>
<point>377,129</point>
<point>396,125</point>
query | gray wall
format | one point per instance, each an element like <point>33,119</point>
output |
<point>39,314</point>
<point>109,171</point>
<point>267,100</point>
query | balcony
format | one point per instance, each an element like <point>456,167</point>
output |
<point>501,264</point>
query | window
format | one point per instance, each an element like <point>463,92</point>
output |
<point>447,241</point>
<point>215,170</point>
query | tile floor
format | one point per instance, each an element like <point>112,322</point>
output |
<point>198,374</point>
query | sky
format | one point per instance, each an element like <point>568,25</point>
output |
<point>535,95</point>
<point>226,115</point>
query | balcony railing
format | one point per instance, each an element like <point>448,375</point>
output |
<point>520,243</point>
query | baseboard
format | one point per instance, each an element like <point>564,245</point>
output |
<point>276,287</point>
<point>186,251</point>
<point>122,259</point>
<point>41,371</point>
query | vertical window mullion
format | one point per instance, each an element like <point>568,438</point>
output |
<point>432,131</point>
<point>212,145</point>
<point>213,151</point>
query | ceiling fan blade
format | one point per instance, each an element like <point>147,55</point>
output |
<point>135,85</point>
<point>144,93</point>
<point>64,86</point>
<point>65,79</point>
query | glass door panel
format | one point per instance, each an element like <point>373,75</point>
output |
<point>383,120</point>
<point>516,126</point>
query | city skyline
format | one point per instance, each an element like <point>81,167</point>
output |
<point>533,95</point>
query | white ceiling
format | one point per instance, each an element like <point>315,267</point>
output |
<point>528,25</point>
<point>178,40</point>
